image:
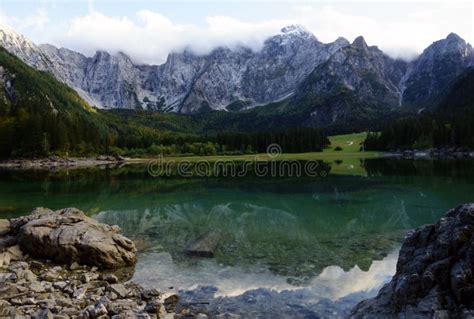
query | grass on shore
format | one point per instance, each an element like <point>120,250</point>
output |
<point>350,143</point>
<point>346,161</point>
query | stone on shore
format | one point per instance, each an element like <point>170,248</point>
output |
<point>435,273</point>
<point>4,226</point>
<point>9,250</point>
<point>43,288</point>
<point>23,294</point>
<point>68,235</point>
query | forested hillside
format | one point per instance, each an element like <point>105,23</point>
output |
<point>449,125</point>
<point>40,116</point>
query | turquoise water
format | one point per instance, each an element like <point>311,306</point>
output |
<point>321,244</point>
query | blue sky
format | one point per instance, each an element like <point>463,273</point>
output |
<point>149,30</point>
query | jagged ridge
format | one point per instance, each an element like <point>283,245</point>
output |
<point>292,65</point>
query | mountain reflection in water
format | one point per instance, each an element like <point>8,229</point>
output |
<point>213,285</point>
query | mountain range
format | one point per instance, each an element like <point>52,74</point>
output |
<point>293,72</point>
<point>353,87</point>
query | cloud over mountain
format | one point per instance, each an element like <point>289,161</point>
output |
<point>149,35</point>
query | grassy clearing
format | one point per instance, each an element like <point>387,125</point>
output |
<point>350,143</point>
<point>347,160</point>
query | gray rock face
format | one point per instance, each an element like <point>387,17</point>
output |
<point>289,63</point>
<point>102,79</point>
<point>354,75</point>
<point>434,277</point>
<point>284,62</point>
<point>186,82</point>
<point>23,48</point>
<point>67,236</point>
<point>6,82</point>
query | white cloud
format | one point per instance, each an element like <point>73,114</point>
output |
<point>37,20</point>
<point>401,30</point>
<point>149,36</point>
<point>399,36</point>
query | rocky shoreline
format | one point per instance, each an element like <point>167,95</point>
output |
<point>55,162</point>
<point>438,153</point>
<point>64,264</point>
<point>43,290</point>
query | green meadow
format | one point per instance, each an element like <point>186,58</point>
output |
<point>345,161</point>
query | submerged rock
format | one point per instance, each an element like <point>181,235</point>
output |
<point>205,246</point>
<point>68,235</point>
<point>435,273</point>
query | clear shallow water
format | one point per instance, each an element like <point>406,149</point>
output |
<point>289,247</point>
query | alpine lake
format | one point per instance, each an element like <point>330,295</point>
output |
<point>287,246</point>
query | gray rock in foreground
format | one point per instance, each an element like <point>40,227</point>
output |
<point>435,273</point>
<point>68,235</point>
<point>31,288</point>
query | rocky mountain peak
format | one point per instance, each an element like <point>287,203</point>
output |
<point>48,47</point>
<point>435,69</point>
<point>117,58</point>
<point>123,55</point>
<point>360,43</point>
<point>7,32</point>
<point>342,42</point>
<point>454,37</point>
<point>453,43</point>
<point>100,54</point>
<point>358,75</point>
<point>22,47</point>
<point>188,81</point>
<point>296,29</point>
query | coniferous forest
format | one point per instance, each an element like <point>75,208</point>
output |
<point>449,124</point>
<point>423,133</point>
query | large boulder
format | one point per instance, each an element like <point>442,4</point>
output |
<point>435,273</point>
<point>68,236</point>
